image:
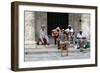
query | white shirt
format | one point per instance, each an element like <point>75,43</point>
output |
<point>42,33</point>
<point>80,35</point>
<point>69,30</point>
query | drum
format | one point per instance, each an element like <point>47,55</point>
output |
<point>63,45</point>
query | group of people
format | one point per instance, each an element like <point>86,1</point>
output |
<point>63,38</point>
<point>77,39</point>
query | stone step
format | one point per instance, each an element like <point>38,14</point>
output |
<point>51,50</point>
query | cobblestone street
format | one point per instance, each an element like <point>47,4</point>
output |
<point>44,53</point>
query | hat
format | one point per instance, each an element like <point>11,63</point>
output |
<point>69,25</point>
<point>58,28</point>
<point>42,26</point>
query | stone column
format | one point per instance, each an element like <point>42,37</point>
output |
<point>30,30</point>
<point>85,25</point>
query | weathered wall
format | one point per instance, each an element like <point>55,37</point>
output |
<point>40,19</point>
<point>80,22</point>
<point>33,23</point>
<point>85,25</point>
<point>29,29</point>
<point>74,21</point>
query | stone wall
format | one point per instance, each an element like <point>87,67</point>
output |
<point>85,25</point>
<point>41,19</point>
<point>80,22</point>
<point>74,21</point>
<point>29,29</point>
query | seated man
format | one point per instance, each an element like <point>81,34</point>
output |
<point>43,36</point>
<point>73,37</point>
<point>80,40</point>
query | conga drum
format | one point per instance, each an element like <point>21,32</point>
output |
<point>63,45</point>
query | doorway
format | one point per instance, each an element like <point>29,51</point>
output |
<point>55,20</point>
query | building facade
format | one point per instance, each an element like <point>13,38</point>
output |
<point>34,20</point>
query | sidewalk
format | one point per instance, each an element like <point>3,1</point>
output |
<point>42,53</point>
<point>50,48</point>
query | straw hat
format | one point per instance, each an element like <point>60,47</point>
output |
<point>58,28</point>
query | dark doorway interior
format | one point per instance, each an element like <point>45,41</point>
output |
<point>56,20</point>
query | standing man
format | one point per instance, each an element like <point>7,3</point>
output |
<point>63,43</point>
<point>55,34</point>
<point>69,32</point>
